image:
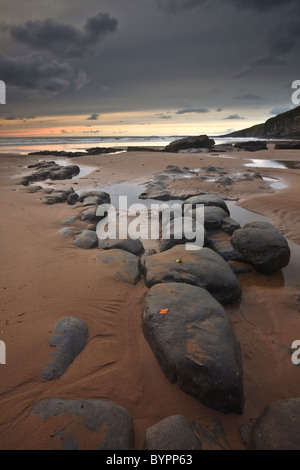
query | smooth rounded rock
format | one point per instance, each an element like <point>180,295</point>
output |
<point>203,268</point>
<point>260,244</point>
<point>193,341</point>
<point>87,239</point>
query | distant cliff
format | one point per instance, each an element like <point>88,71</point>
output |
<point>283,126</point>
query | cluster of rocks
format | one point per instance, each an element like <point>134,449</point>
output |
<point>184,322</point>
<point>50,170</point>
<point>194,144</point>
<point>292,145</point>
<point>160,186</point>
<point>251,145</point>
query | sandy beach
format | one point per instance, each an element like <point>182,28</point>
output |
<point>45,277</point>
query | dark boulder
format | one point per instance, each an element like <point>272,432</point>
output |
<point>278,427</point>
<point>103,197</point>
<point>260,244</point>
<point>201,141</point>
<point>65,172</point>
<point>207,200</point>
<point>251,146</point>
<point>87,239</point>
<point>123,266</point>
<point>193,341</point>
<point>203,268</point>
<point>132,246</point>
<point>173,433</point>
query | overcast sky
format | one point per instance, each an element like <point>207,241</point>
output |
<point>146,66</point>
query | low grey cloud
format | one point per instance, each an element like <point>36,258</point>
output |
<point>18,118</point>
<point>163,116</point>
<point>174,6</point>
<point>233,117</point>
<point>32,73</point>
<point>280,109</point>
<point>64,40</point>
<point>193,110</point>
<point>93,117</point>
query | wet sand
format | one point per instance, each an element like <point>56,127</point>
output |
<point>44,277</point>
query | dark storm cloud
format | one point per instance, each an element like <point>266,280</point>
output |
<point>93,117</point>
<point>33,73</point>
<point>282,40</point>
<point>64,40</point>
<point>193,110</point>
<point>233,117</point>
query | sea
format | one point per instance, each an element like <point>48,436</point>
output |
<point>25,145</point>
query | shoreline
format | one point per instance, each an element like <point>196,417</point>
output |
<point>44,278</point>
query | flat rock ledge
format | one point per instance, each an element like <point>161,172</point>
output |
<point>193,341</point>
<point>74,421</point>
<point>69,338</point>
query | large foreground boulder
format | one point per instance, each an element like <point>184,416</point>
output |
<point>202,268</point>
<point>85,424</point>
<point>69,338</point>
<point>262,245</point>
<point>193,341</point>
<point>278,427</point>
<point>199,142</point>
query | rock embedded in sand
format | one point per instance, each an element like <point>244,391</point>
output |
<point>260,244</point>
<point>90,215</point>
<point>87,239</point>
<point>229,225</point>
<point>202,268</point>
<point>110,424</point>
<point>70,337</point>
<point>207,200</point>
<point>103,197</point>
<point>175,232</point>
<point>65,172</point>
<point>124,266</point>
<point>277,428</point>
<point>73,199</point>
<point>58,196</point>
<point>173,433</point>
<point>132,246</point>
<point>178,433</point>
<point>201,141</point>
<point>251,146</point>
<point>194,344</point>
<point>67,231</point>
